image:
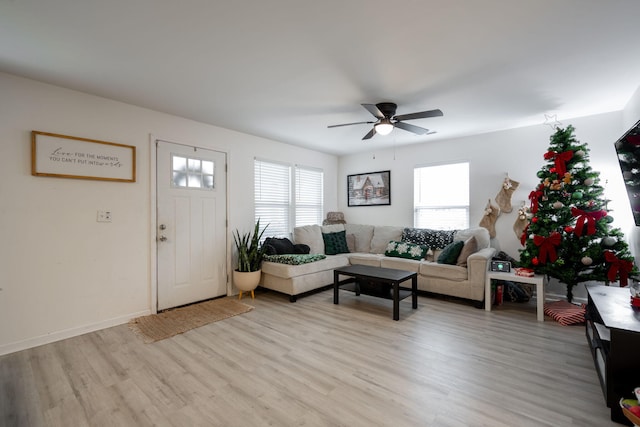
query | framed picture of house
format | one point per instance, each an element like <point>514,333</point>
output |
<point>369,189</point>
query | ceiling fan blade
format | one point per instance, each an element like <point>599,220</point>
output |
<point>373,109</point>
<point>349,124</point>
<point>420,115</point>
<point>412,128</point>
<point>370,134</point>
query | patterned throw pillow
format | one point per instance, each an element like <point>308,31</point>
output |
<point>406,250</point>
<point>450,253</point>
<point>335,243</point>
<point>434,239</point>
<point>294,259</point>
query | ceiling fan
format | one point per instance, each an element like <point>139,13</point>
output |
<point>387,120</point>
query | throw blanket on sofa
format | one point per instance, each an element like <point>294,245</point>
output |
<point>433,239</point>
<point>280,246</point>
<point>294,259</point>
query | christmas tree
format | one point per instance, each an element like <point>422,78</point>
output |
<point>570,236</point>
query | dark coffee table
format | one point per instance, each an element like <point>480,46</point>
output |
<point>359,274</point>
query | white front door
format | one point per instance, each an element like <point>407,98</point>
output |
<point>191,224</point>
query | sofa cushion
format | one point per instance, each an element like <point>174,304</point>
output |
<point>443,271</point>
<point>360,258</point>
<point>335,243</point>
<point>310,235</point>
<point>481,234</point>
<point>294,259</point>
<point>287,271</point>
<point>470,247</point>
<point>433,239</point>
<point>405,250</point>
<point>400,264</point>
<point>351,242</point>
<point>450,253</point>
<point>382,235</point>
<point>363,235</point>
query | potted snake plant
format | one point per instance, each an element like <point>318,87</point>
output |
<point>250,253</point>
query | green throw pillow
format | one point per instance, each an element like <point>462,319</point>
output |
<point>335,243</point>
<point>406,250</point>
<point>450,253</point>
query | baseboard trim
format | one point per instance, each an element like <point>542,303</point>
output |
<point>68,333</point>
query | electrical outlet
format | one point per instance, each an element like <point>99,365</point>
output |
<point>104,216</point>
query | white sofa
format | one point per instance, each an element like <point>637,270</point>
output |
<point>368,244</point>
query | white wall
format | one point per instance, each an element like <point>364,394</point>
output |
<point>518,152</point>
<point>631,113</point>
<point>62,272</point>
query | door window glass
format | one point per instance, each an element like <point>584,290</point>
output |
<point>188,172</point>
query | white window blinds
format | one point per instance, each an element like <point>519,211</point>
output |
<point>309,196</point>
<point>273,197</point>
<point>441,196</point>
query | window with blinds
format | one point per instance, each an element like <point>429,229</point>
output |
<point>273,196</point>
<point>441,196</point>
<point>283,198</point>
<point>309,196</point>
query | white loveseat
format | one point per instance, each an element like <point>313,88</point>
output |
<point>368,244</point>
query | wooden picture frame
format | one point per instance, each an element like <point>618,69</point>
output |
<point>369,189</point>
<point>66,156</point>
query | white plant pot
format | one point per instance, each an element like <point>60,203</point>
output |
<point>246,281</point>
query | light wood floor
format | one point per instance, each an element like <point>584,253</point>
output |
<point>313,363</point>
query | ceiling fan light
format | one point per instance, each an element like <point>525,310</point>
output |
<point>384,127</point>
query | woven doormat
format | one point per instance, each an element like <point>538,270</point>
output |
<point>156,327</point>
<point>564,312</point>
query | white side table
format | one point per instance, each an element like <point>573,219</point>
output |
<point>537,280</point>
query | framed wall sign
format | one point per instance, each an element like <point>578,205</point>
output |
<point>72,157</point>
<point>369,189</point>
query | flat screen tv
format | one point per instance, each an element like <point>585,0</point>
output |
<point>628,149</point>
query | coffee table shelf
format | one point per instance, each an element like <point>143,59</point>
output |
<point>380,277</point>
<point>360,289</point>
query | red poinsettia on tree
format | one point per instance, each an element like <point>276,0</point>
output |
<point>570,236</point>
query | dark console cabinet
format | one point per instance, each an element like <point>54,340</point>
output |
<point>613,333</point>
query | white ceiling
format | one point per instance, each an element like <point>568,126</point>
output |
<point>286,69</point>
